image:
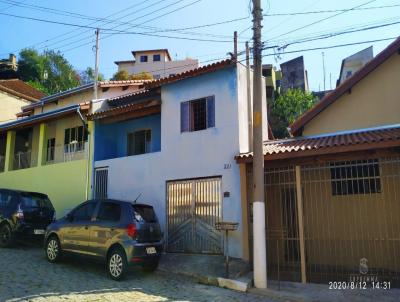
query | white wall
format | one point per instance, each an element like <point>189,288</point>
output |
<point>163,68</point>
<point>191,154</point>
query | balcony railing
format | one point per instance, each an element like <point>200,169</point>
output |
<point>24,160</point>
<point>66,153</point>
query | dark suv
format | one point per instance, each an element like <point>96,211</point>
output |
<point>23,213</point>
<point>120,232</point>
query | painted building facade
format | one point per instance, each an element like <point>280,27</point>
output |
<point>15,94</point>
<point>157,62</point>
<point>47,149</point>
<point>183,165</point>
<point>332,191</point>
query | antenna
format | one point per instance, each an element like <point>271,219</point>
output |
<point>137,198</point>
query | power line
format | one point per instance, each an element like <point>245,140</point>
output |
<point>118,31</point>
<point>330,47</point>
<point>165,14</point>
<point>72,31</point>
<point>330,35</point>
<point>329,11</point>
<point>147,14</point>
<point>323,19</point>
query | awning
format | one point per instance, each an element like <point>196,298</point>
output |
<point>341,142</point>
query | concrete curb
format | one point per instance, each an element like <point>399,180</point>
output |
<point>237,285</point>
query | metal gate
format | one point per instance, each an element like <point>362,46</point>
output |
<point>194,206</point>
<point>101,183</point>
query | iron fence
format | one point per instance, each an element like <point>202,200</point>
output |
<point>24,160</point>
<point>350,213</point>
<point>66,153</point>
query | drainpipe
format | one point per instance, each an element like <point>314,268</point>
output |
<point>78,111</point>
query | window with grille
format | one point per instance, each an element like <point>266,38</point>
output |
<point>143,59</point>
<point>355,177</point>
<point>198,114</point>
<point>74,139</point>
<point>139,142</point>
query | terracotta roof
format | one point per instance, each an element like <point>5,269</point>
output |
<point>330,98</point>
<point>190,73</point>
<point>21,89</point>
<point>136,106</point>
<point>121,83</point>
<point>357,140</point>
<point>80,89</point>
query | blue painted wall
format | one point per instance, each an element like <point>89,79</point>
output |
<point>111,139</point>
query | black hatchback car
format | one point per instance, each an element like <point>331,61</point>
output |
<point>23,214</point>
<point>119,232</point>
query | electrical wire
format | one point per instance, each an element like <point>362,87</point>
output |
<point>329,11</point>
<point>323,19</point>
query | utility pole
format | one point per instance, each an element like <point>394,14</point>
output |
<point>249,104</point>
<point>235,39</point>
<point>96,66</point>
<point>323,67</point>
<point>259,238</point>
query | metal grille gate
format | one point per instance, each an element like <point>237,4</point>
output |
<point>350,211</point>
<point>193,208</point>
<point>101,183</point>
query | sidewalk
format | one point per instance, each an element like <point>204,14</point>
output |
<point>292,291</point>
<point>210,269</point>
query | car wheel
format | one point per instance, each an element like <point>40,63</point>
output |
<point>117,264</point>
<point>53,249</point>
<point>6,237</point>
<point>150,266</point>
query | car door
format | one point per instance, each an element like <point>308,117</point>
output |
<point>105,227</point>
<point>75,233</point>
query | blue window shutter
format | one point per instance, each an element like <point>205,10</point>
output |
<point>185,117</point>
<point>210,112</point>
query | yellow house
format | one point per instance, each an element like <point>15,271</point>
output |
<point>48,148</point>
<point>14,94</point>
<point>333,190</point>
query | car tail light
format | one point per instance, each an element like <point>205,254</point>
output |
<point>132,231</point>
<point>19,214</point>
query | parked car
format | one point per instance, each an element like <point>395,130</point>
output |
<point>118,232</point>
<point>23,214</point>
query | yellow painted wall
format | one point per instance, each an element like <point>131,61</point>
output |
<point>374,101</point>
<point>64,183</point>
<point>10,106</point>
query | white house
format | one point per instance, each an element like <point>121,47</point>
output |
<point>158,62</point>
<point>174,145</point>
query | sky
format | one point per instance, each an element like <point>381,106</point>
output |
<point>137,18</point>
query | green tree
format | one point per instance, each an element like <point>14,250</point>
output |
<point>287,108</point>
<point>141,76</point>
<point>121,75</point>
<point>87,76</point>
<point>50,71</point>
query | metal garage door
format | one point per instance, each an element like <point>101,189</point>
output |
<point>194,206</point>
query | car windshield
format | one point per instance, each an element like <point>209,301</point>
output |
<point>35,201</point>
<point>144,213</point>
